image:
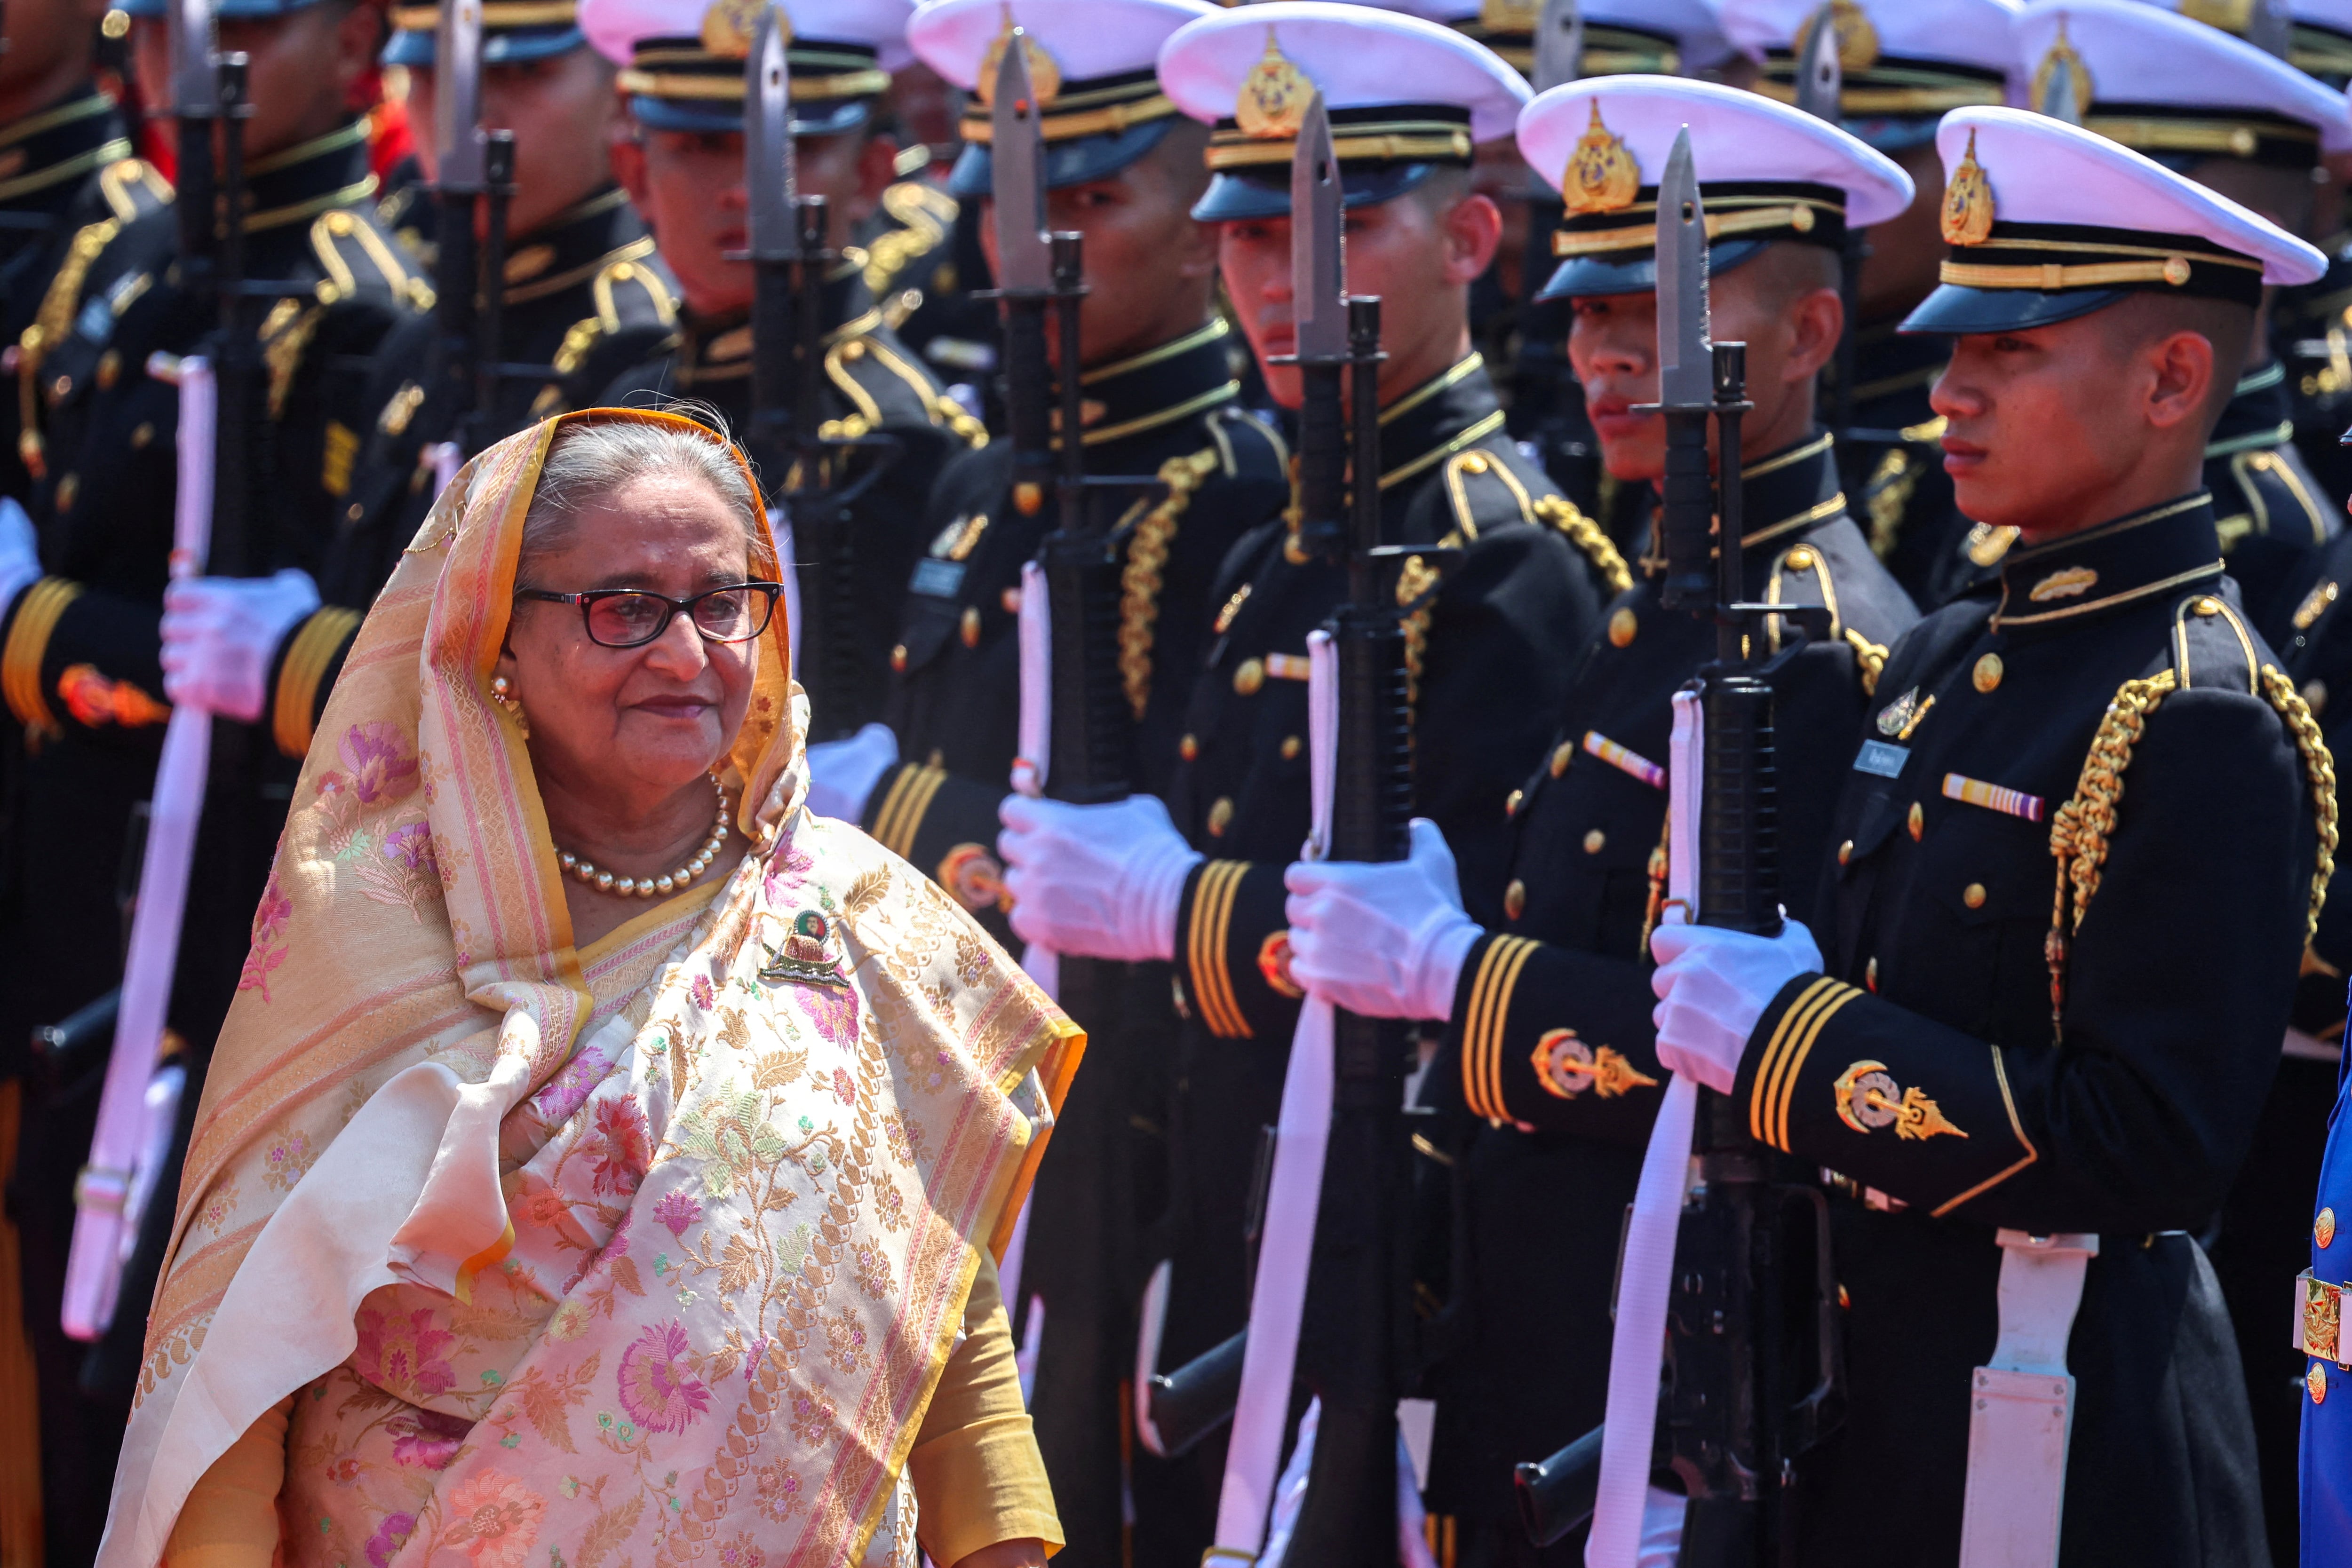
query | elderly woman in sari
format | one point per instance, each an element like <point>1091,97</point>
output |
<point>604,1160</point>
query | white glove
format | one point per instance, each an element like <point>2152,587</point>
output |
<point>843,773</point>
<point>1382,941</point>
<point>1712,985</point>
<point>221,636</point>
<point>1095,882</point>
<point>20,552</point>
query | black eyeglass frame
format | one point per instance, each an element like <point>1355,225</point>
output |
<point>588,600</point>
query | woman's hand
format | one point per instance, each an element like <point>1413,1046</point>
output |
<point>1029,1554</point>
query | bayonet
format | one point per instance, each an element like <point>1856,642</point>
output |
<point>2270,28</point>
<point>1685,368</point>
<point>196,90</point>
<point>458,98</point>
<point>1024,258</point>
<point>772,173</point>
<point>1560,44</point>
<point>1318,268</point>
<point>1821,76</point>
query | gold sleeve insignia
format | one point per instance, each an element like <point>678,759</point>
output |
<point>1869,1098</point>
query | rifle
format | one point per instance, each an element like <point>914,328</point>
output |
<point>790,260</point>
<point>460,177</point>
<point>1820,92</point>
<point>1750,1386</point>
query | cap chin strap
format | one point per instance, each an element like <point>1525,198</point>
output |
<point>2023,1406</point>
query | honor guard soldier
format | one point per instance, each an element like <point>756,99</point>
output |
<point>1185,472</point>
<point>585,298</point>
<point>1548,1045</point>
<point>1902,66</point>
<point>1489,649</point>
<point>1523,338</point>
<point>2085,836</point>
<point>81,647</point>
<point>2247,124</point>
<point>681,161</point>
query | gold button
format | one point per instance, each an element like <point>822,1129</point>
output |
<point>899,657</point>
<point>1845,852</point>
<point>339,223</point>
<point>624,272</point>
<point>1291,746</point>
<point>1594,840</point>
<point>1919,822</point>
<point>1515,899</point>
<point>1475,463</point>
<point>1189,747</point>
<point>2315,694</point>
<point>1973,896</point>
<point>1249,676</point>
<point>1221,817</point>
<point>2317,1381</point>
<point>2207,605</point>
<point>69,487</point>
<point>1802,558</point>
<point>1622,626</point>
<point>1511,806</point>
<point>1011,599</point>
<point>1870,976</point>
<point>1561,758</point>
<point>354,511</point>
<point>2323,1229</point>
<point>1987,672</point>
<point>59,387</point>
<point>109,367</point>
<point>971,626</point>
<point>140,435</point>
<point>853,349</point>
<point>1029,497</point>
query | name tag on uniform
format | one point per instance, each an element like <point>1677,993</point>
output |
<point>1878,757</point>
<point>938,579</point>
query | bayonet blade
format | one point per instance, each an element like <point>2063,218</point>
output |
<point>458,105</point>
<point>2271,27</point>
<point>1686,359</point>
<point>1017,148</point>
<point>196,90</point>
<point>1560,44</point>
<point>770,176</point>
<point>1319,267</point>
<point>1821,78</point>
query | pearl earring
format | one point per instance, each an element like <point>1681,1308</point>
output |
<point>502,693</point>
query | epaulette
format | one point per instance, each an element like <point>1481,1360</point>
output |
<point>138,201</point>
<point>629,292</point>
<point>361,263</point>
<point>2264,475</point>
<point>1588,537</point>
<point>1147,554</point>
<point>1474,463</point>
<point>925,215</point>
<point>131,189</point>
<point>1886,494</point>
<point>1248,447</point>
<point>849,352</point>
<point>2079,831</point>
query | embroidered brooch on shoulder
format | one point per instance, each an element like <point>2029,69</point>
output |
<point>810,956</point>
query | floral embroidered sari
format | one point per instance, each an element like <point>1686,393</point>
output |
<point>633,1255</point>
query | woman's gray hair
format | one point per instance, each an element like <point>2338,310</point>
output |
<point>591,459</point>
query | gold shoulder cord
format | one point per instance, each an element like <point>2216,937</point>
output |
<point>57,314</point>
<point>1139,579</point>
<point>2080,830</point>
<point>1587,536</point>
<point>1869,660</point>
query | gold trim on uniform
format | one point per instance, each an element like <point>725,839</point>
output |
<point>66,169</point>
<point>28,645</point>
<point>1111,119</point>
<point>294,716</point>
<point>903,808</point>
<point>495,14</point>
<point>1212,919</point>
<point>1795,213</point>
<point>1483,1019</point>
<point>1376,142</point>
<point>1784,1057</point>
<point>1139,580</point>
<point>729,89</point>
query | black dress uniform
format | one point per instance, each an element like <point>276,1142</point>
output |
<point>874,386</point>
<point>2311,333</point>
<point>80,649</point>
<point>2114,700</point>
<point>68,169</point>
<point>1893,460</point>
<point>1551,1049</point>
<point>1203,471</point>
<point>1526,594</point>
<point>2272,514</point>
<point>585,298</point>
<point>924,263</point>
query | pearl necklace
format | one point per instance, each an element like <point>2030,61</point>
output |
<point>650,886</point>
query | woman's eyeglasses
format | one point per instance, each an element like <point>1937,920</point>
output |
<point>630,617</point>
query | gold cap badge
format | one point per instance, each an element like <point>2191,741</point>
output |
<point>730,26</point>
<point>1857,40</point>
<point>1600,176</point>
<point>1968,201</point>
<point>2062,82</point>
<point>1274,95</point>
<point>1045,76</point>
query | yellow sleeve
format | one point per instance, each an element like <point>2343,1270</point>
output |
<point>230,1519</point>
<point>977,1473</point>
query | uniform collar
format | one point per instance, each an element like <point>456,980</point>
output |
<point>1449,413</point>
<point>574,245</point>
<point>43,155</point>
<point>1179,379</point>
<point>719,348</point>
<point>287,190</point>
<point>1783,496</point>
<point>2165,548</point>
<point>2260,414</point>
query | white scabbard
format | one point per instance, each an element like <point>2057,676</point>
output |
<point>2022,1406</point>
<point>1637,1344</point>
<point>112,1185</point>
<point>1294,1193</point>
